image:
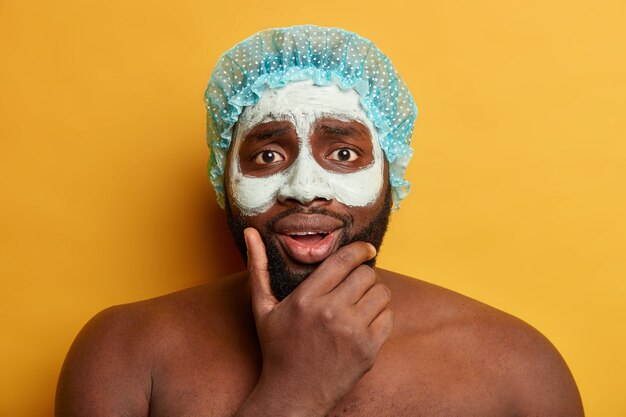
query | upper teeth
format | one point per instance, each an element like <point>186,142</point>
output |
<point>304,233</point>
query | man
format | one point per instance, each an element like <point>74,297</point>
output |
<point>309,129</point>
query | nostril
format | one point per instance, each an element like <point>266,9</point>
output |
<point>302,200</point>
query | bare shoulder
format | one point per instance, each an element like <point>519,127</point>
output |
<point>110,367</point>
<point>501,351</point>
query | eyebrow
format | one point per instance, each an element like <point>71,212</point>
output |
<point>341,130</point>
<point>260,133</point>
<point>336,130</point>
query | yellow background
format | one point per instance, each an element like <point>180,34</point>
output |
<point>518,175</point>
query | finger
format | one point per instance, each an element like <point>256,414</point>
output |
<point>380,329</point>
<point>356,284</point>
<point>263,299</point>
<point>337,267</point>
<point>373,302</point>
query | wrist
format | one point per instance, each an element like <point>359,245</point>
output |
<point>282,399</point>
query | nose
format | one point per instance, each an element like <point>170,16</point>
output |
<point>306,182</point>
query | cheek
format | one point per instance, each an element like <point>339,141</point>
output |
<point>358,189</point>
<point>251,195</point>
<point>255,195</point>
<point>364,187</point>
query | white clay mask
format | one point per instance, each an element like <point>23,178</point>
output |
<point>302,103</point>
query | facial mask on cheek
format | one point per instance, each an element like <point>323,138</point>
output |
<point>305,180</point>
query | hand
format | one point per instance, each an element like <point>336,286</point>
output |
<point>321,339</point>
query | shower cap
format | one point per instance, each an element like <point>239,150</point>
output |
<point>274,57</point>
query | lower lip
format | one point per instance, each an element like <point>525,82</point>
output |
<point>305,253</point>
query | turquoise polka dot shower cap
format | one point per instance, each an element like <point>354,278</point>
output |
<point>274,57</point>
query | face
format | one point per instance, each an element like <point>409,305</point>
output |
<point>305,169</point>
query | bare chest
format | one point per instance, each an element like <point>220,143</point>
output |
<point>193,383</point>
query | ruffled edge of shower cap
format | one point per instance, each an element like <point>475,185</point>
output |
<point>397,149</point>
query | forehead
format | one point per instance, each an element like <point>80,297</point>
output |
<point>304,101</point>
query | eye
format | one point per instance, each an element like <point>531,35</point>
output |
<point>267,157</point>
<point>343,155</point>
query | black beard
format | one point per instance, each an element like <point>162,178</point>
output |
<point>282,279</point>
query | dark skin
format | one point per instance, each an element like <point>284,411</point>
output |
<point>349,341</point>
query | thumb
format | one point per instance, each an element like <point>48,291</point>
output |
<point>263,300</point>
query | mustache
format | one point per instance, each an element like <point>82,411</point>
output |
<point>345,219</point>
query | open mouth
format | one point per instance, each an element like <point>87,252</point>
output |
<point>308,238</point>
<point>309,247</point>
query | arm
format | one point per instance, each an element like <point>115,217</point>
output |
<point>104,374</point>
<point>319,341</point>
